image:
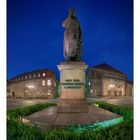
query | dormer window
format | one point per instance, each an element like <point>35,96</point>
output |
<point>44,74</point>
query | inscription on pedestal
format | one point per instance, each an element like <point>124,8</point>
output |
<point>72,83</point>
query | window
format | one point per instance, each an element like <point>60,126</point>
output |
<point>34,75</point>
<point>44,74</point>
<point>49,82</point>
<point>30,76</point>
<point>38,74</point>
<point>43,82</point>
<point>91,91</point>
<point>25,77</point>
<point>111,84</point>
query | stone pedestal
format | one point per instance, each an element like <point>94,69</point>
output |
<point>72,108</point>
<point>72,88</point>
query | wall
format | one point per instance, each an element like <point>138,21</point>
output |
<point>33,88</point>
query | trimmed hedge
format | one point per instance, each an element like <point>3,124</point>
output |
<point>25,111</point>
<point>16,130</point>
<point>126,112</point>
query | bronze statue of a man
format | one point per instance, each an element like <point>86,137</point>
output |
<point>72,38</point>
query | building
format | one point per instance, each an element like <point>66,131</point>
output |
<point>39,83</point>
<point>104,80</point>
<point>129,88</point>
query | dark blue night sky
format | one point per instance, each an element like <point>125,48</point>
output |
<point>35,33</point>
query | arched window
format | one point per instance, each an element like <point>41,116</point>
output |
<point>43,83</point>
<point>49,82</point>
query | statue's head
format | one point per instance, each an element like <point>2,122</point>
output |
<point>72,12</point>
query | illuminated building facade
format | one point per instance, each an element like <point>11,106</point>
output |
<point>39,83</point>
<point>129,88</point>
<point>105,80</point>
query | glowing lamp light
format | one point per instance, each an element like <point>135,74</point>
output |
<point>111,86</point>
<point>96,105</point>
<point>31,86</point>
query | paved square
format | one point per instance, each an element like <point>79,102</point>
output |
<point>50,119</point>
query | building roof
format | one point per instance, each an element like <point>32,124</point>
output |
<point>49,73</point>
<point>105,66</point>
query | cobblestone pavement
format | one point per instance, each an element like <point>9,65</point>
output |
<point>16,103</point>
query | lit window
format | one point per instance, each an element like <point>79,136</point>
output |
<point>38,74</point>
<point>25,77</point>
<point>48,93</point>
<point>43,82</point>
<point>49,90</point>
<point>49,82</point>
<point>111,85</point>
<point>44,74</point>
<point>89,83</point>
<point>91,91</point>
<point>30,76</point>
<point>34,75</point>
